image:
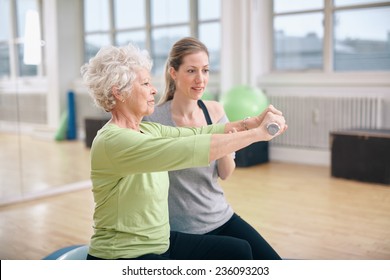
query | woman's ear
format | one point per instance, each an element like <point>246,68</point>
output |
<point>172,72</point>
<point>116,93</point>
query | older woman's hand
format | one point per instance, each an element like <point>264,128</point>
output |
<point>271,109</point>
<point>271,116</point>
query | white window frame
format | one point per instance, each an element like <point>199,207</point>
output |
<point>266,76</point>
<point>192,24</point>
<point>15,83</point>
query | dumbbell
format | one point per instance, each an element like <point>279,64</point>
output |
<point>273,128</point>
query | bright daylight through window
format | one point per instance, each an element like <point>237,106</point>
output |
<point>358,38</point>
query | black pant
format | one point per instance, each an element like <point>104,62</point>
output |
<point>185,246</point>
<point>238,228</point>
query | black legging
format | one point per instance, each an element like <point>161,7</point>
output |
<point>238,228</point>
<point>185,246</point>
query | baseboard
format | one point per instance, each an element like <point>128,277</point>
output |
<point>301,156</point>
<point>46,193</point>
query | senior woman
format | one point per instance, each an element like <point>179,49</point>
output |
<point>130,160</point>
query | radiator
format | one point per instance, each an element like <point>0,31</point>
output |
<point>310,119</point>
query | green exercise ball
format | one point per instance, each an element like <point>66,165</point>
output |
<point>244,101</point>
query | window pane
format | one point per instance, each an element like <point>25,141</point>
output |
<point>210,35</point>
<point>96,15</point>
<point>4,61</point>
<point>162,41</point>
<point>281,6</point>
<point>129,14</point>
<point>22,6</point>
<point>356,2</point>
<point>93,43</point>
<point>298,42</point>
<point>138,38</point>
<point>209,9</point>
<point>170,11</point>
<point>25,70</point>
<point>4,20</point>
<point>362,39</point>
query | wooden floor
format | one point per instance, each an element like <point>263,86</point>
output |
<point>301,210</point>
<point>32,165</point>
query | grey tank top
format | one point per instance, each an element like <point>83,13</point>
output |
<point>196,201</point>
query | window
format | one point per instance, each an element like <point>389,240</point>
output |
<point>170,21</point>
<point>13,38</point>
<point>362,39</point>
<point>4,38</point>
<point>130,22</point>
<point>96,26</point>
<point>210,30</point>
<point>298,46</point>
<point>353,34</point>
<point>152,24</point>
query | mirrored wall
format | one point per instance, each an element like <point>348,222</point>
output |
<point>32,162</point>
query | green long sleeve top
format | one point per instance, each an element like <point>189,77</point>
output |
<point>130,184</point>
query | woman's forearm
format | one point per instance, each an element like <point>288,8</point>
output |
<point>249,131</point>
<point>252,122</point>
<point>224,144</point>
<point>226,166</point>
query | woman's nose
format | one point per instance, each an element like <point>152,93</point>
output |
<point>199,78</point>
<point>154,90</point>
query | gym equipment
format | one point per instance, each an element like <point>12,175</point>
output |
<point>79,253</point>
<point>273,128</point>
<point>239,103</point>
<point>92,125</point>
<point>244,101</point>
<point>74,252</point>
<point>62,128</point>
<point>361,154</point>
<point>72,130</point>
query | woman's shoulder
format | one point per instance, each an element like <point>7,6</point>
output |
<point>215,109</point>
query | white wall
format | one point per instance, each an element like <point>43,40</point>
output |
<point>64,52</point>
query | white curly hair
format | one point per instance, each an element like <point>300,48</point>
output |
<point>113,66</point>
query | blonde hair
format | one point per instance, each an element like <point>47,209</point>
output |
<point>180,49</point>
<point>113,67</point>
